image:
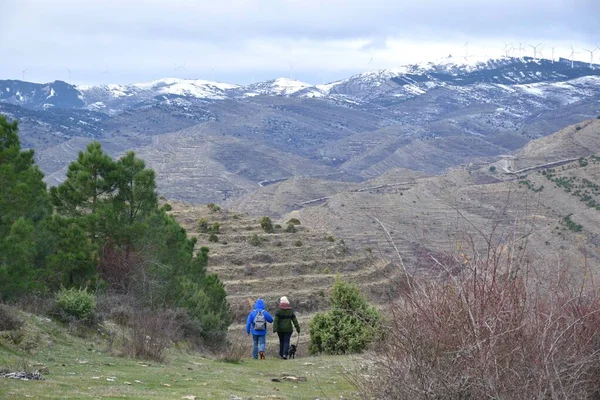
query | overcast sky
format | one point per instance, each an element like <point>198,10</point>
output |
<point>241,41</point>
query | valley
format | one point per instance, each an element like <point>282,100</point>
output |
<point>216,142</point>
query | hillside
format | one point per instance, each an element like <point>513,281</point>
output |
<point>427,117</point>
<point>429,214</point>
<point>424,216</point>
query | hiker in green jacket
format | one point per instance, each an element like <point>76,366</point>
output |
<point>284,317</point>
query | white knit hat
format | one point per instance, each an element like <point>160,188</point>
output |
<point>284,300</point>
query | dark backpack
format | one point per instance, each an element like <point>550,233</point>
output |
<point>260,324</point>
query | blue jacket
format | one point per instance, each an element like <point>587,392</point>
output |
<point>259,305</point>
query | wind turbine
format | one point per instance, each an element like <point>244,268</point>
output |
<point>25,70</point>
<point>68,70</point>
<point>291,71</point>
<point>507,48</point>
<point>552,55</point>
<point>466,47</point>
<point>573,52</point>
<point>591,55</point>
<point>535,50</point>
<point>521,49</point>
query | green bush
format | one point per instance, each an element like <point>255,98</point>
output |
<point>167,207</point>
<point>330,238</point>
<point>348,327</point>
<point>492,168</point>
<point>570,224</point>
<point>202,225</point>
<point>254,240</point>
<point>213,238</point>
<point>294,221</point>
<point>267,225</point>
<point>298,243</point>
<point>76,302</point>
<point>291,228</point>
<point>215,228</point>
<point>213,207</point>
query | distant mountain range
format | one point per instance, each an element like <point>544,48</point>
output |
<point>212,141</point>
<point>404,82</point>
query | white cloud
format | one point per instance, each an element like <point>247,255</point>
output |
<point>240,39</point>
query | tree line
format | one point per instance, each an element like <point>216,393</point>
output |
<point>102,229</point>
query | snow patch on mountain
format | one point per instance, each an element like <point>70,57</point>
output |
<point>275,87</point>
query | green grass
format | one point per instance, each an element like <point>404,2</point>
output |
<point>84,368</point>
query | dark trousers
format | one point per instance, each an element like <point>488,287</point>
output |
<point>284,343</point>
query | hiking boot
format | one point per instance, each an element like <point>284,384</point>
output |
<point>261,355</point>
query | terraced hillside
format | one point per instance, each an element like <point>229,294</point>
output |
<point>552,205</point>
<point>301,265</point>
<point>553,211</point>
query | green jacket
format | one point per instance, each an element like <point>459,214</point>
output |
<point>283,321</point>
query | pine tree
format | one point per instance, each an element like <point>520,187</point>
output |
<point>24,205</point>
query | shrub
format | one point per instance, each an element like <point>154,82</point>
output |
<point>202,225</point>
<point>9,321</point>
<point>330,238</point>
<point>278,226</point>
<point>77,303</point>
<point>350,325</point>
<point>234,353</point>
<point>266,224</point>
<point>298,243</point>
<point>152,332</point>
<point>213,207</point>
<point>578,128</point>
<point>167,207</point>
<point>254,240</point>
<point>291,228</point>
<point>492,168</point>
<point>294,221</point>
<point>215,228</point>
<point>582,161</point>
<point>213,238</point>
<point>491,327</point>
<point>570,224</point>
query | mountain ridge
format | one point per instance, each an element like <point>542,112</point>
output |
<point>409,80</point>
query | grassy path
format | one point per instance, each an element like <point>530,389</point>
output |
<point>83,368</point>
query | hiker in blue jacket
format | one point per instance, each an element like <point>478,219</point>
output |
<point>257,324</point>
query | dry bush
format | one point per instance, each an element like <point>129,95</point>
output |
<point>493,325</point>
<point>9,320</point>
<point>151,333</point>
<point>37,304</point>
<point>119,267</point>
<point>234,352</point>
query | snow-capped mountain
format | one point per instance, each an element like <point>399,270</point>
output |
<point>40,96</point>
<point>115,98</point>
<point>417,79</point>
<point>275,87</point>
<point>427,116</point>
<point>385,85</point>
